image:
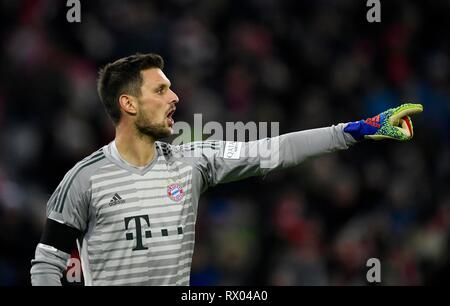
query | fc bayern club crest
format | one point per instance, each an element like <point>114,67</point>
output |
<point>175,192</point>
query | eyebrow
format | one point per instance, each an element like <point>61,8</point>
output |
<point>163,85</point>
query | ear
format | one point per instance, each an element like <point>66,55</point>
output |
<point>128,104</point>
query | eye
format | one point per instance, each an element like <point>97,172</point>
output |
<point>160,90</point>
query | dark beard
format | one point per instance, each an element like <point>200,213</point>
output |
<point>155,131</point>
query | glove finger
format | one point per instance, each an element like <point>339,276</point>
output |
<point>407,126</point>
<point>404,110</point>
<point>404,131</point>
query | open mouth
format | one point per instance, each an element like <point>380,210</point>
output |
<point>170,120</point>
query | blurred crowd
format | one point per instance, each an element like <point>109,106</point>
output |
<point>304,64</point>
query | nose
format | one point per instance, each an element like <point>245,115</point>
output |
<point>174,98</point>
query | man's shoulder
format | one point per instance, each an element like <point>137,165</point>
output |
<point>89,164</point>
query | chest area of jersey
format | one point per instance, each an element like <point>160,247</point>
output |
<point>160,196</point>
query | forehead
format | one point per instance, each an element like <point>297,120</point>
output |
<point>153,77</point>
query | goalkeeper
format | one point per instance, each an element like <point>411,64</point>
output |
<point>132,205</point>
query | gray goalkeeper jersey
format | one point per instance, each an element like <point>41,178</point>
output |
<point>138,223</point>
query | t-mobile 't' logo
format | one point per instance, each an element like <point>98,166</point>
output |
<point>130,236</point>
<point>139,232</point>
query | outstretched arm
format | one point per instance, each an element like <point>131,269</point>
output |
<point>223,162</point>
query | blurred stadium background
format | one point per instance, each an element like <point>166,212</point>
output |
<point>305,64</point>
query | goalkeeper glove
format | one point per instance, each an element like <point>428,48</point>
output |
<point>394,123</point>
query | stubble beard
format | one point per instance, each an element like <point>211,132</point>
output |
<point>145,128</point>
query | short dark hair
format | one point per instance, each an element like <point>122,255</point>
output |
<point>124,77</point>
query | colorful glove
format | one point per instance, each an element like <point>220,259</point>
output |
<point>394,123</point>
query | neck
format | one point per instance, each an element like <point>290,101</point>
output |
<point>137,149</point>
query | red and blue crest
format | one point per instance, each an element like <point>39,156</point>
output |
<point>175,192</point>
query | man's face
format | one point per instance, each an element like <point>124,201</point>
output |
<point>156,105</point>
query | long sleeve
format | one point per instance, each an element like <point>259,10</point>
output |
<point>47,266</point>
<point>299,146</point>
<point>224,161</point>
<point>67,218</point>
